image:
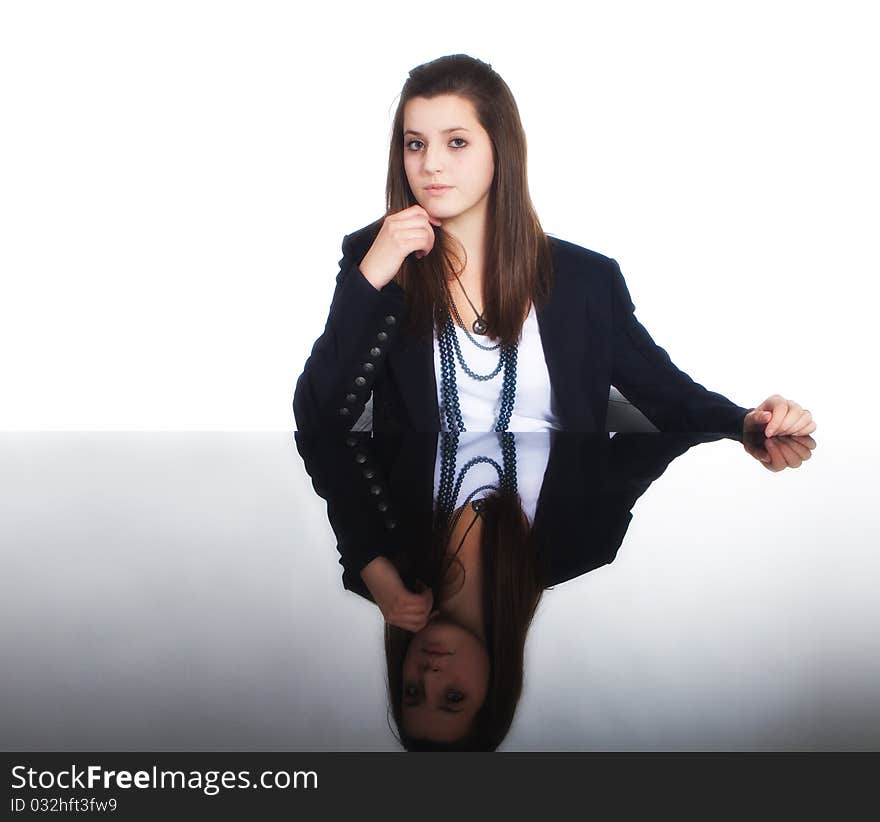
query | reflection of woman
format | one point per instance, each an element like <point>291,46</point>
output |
<point>454,684</point>
<point>455,311</point>
<point>437,531</point>
<point>458,578</point>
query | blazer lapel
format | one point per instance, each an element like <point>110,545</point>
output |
<point>560,321</point>
<point>412,363</point>
<point>553,329</point>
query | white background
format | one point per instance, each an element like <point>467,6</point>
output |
<point>176,179</point>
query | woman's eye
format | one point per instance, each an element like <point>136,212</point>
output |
<point>410,691</point>
<point>454,139</point>
<point>454,696</point>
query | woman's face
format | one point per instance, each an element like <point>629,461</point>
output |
<point>445,680</point>
<point>443,142</point>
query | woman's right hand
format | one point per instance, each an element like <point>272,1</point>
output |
<point>399,606</point>
<point>408,610</point>
<point>401,234</point>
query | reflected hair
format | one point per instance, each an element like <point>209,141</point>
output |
<point>512,585</point>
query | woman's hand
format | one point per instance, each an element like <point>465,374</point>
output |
<point>401,234</point>
<point>399,606</point>
<point>777,453</point>
<point>776,417</point>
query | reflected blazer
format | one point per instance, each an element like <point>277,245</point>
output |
<point>589,332</point>
<point>380,496</point>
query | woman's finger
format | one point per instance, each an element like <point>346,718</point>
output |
<point>778,413</point>
<point>776,461</point>
<point>412,608</point>
<point>414,615</point>
<point>805,422</point>
<point>791,421</point>
<point>800,448</point>
<point>795,423</point>
<point>789,455</point>
<point>756,451</point>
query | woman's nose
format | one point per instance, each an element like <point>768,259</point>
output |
<point>427,665</point>
<point>432,161</point>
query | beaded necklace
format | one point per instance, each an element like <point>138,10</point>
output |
<point>450,350</point>
<point>450,483</point>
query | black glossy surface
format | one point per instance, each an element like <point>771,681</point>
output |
<point>182,591</point>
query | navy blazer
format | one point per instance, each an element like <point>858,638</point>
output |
<point>589,332</point>
<point>380,496</point>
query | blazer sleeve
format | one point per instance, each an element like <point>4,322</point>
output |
<point>347,358</point>
<point>592,486</point>
<point>344,469</point>
<point>665,394</point>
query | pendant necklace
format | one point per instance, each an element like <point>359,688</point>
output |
<point>451,481</point>
<point>479,325</point>
<point>450,350</point>
<point>463,327</point>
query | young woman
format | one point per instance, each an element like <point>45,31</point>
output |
<point>455,311</point>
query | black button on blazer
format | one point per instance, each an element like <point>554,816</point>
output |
<point>589,332</point>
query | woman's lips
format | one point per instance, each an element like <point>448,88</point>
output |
<point>435,649</point>
<point>439,190</point>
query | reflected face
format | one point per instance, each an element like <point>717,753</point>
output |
<point>443,142</point>
<point>445,680</point>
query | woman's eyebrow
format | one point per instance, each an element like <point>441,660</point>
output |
<point>445,131</point>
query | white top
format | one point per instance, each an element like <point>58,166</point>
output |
<point>532,454</point>
<point>480,400</point>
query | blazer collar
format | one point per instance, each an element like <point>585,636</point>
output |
<point>412,361</point>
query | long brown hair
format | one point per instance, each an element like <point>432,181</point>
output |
<point>511,590</point>
<point>518,257</point>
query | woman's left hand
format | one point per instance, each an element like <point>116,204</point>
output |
<point>778,453</point>
<point>778,417</point>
